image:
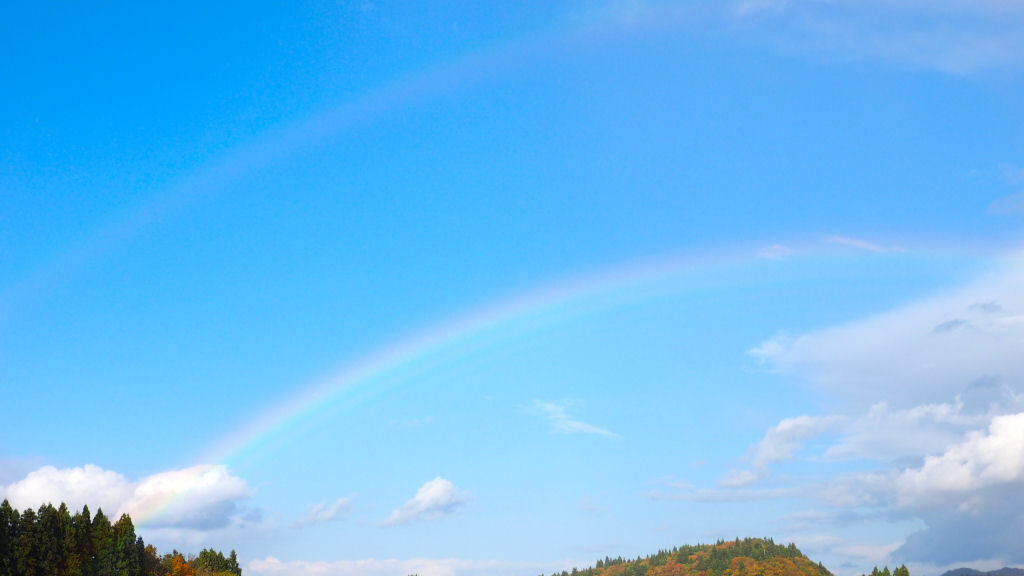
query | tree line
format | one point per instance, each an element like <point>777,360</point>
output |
<point>51,541</point>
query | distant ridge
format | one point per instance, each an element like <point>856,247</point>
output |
<point>1006,571</point>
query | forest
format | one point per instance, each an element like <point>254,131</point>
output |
<point>51,541</point>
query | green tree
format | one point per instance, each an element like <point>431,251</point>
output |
<point>102,536</point>
<point>27,553</point>
<point>125,560</point>
<point>9,529</point>
<point>81,533</point>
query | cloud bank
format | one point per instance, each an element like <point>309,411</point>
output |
<point>271,566</point>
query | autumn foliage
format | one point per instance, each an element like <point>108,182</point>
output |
<point>748,557</point>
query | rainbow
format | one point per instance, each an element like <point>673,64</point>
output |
<point>557,302</point>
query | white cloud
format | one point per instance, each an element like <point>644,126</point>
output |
<point>271,566</point>
<point>196,498</point>
<point>931,390</point>
<point>780,443</point>
<point>433,500</point>
<point>885,433</point>
<point>913,355</point>
<point>326,512</point>
<point>788,437</point>
<point>562,423</point>
<point>88,485</point>
<point>984,459</point>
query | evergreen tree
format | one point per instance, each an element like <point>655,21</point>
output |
<point>9,528</point>
<point>81,533</point>
<point>126,560</point>
<point>102,545</point>
<point>27,553</point>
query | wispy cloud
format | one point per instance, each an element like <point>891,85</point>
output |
<point>563,424</point>
<point>953,36</point>
<point>1012,204</point>
<point>775,252</point>
<point>898,356</point>
<point>326,512</point>
<point>780,443</point>
<point>863,245</point>
<point>435,499</point>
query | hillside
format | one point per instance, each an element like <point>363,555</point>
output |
<point>748,557</point>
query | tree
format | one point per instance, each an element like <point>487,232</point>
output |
<point>9,528</point>
<point>126,560</point>
<point>102,536</point>
<point>81,533</point>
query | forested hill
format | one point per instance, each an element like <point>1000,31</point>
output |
<point>53,542</point>
<point>748,557</point>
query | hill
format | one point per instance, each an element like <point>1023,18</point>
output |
<point>972,572</point>
<point>747,557</point>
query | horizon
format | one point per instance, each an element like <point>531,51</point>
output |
<point>376,288</point>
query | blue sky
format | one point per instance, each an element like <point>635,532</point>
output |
<point>381,288</point>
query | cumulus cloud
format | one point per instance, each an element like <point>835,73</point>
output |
<point>271,566</point>
<point>889,434</point>
<point>983,460</point>
<point>561,421</point>
<point>931,393</point>
<point>196,498</point>
<point>77,487</point>
<point>435,499</point>
<point>326,512</point>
